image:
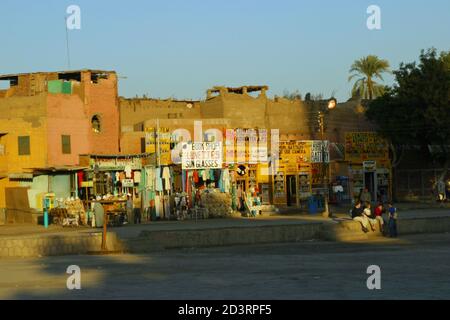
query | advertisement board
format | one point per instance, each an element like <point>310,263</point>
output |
<point>202,155</point>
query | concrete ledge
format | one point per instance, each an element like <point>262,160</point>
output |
<point>424,225</point>
<point>52,245</point>
<point>158,240</point>
<point>155,240</point>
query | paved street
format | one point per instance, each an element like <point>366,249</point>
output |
<point>412,267</point>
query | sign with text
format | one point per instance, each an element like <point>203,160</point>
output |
<point>370,166</point>
<point>295,151</point>
<point>158,140</point>
<point>116,164</point>
<point>127,183</point>
<point>362,146</point>
<point>317,148</point>
<point>201,155</point>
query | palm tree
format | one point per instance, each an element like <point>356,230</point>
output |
<point>368,68</point>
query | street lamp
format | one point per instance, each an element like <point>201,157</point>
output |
<point>331,105</point>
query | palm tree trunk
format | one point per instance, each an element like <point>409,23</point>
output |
<point>370,87</point>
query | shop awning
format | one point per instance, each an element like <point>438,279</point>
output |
<point>20,176</point>
<point>58,169</point>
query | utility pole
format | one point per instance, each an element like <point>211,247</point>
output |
<point>326,212</point>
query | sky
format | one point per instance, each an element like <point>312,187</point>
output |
<point>180,48</point>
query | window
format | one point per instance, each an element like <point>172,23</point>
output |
<point>96,124</point>
<point>24,145</point>
<point>65,142</point>
<point>142,145</point>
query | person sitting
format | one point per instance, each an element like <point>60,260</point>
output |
<point>358,215</point>
<point>379,210</point>
<point>371,218</point>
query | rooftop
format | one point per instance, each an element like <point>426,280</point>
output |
<point>9,76</point>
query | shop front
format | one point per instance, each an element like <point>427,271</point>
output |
<point>300,173</point>
<point>369,165</point>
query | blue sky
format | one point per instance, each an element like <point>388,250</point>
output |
<point>180,48</point>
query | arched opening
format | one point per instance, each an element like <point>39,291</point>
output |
<point>96,124</point>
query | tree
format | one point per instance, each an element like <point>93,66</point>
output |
<point>367,69</point>
<point>416,111</point>
<point>296,95</point>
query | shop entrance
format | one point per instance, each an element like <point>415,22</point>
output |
<point>291,193</point>
<point>369,183</point>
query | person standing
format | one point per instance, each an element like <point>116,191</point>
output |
<point>129,207</point>
<point>392,223</point>
<point>137,209</point>
<point>365,196</point>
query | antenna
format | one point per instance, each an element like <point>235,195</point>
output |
<point>67,43</point>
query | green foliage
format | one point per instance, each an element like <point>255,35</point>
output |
<point>366,70</point>
<point>416,111</point>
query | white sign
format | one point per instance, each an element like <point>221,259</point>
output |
<point>127,183</point>
<point>317,147</point>
<point>118,164</point>
<point>202,155</point>
<point>370,166</point>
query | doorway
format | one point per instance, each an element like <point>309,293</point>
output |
<point>369,183</point>
<point>291,191</point>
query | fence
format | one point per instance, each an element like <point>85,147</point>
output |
<point>416,184</point>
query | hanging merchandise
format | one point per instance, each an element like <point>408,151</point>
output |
<point>166,177</point>
<point>183,180</point>
<point>195,176</point>
<point>80,176</point>
<point>151,177</point>
<point>233,198</point>
<point>137,177</point>
<point>217,174</point>
<point>205,175</point>
<point>226,180</point>
<point>128,171</point>
<point>221,183</point>
<point>158,177</point>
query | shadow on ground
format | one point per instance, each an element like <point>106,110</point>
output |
<point>412,267</point>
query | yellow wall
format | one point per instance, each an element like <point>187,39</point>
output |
<point>21,116</point>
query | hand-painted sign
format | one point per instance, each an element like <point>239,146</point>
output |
<point>362,146</point>
<point>202,155</point>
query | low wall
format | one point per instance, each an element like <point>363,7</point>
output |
<point>424,225</point>
<point>158,240</point>
<point>148,241</point>
<point>52,245</point>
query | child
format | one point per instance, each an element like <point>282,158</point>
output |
<point>392,211</point>
<point>379,215</point>
<point>368,213</point>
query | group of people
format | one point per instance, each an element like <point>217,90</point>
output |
<point>362,212</point>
